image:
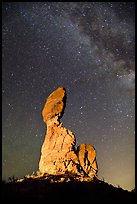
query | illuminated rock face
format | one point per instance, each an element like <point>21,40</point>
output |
<point>58,154</point>
<point>87,158</point>
<point>54,105</point>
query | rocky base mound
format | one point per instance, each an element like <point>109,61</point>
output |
<point>64,189</point>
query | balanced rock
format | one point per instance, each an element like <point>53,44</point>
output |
<point>87,158</point>
<point>58,153</point>
<point>58,150</point>
<point>54,105</point>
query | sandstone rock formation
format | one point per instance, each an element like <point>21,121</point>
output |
<point>58,154</point>
<point>54,105</point>
<point>87,158</point>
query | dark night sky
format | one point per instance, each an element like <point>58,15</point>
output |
<point>87,47</point>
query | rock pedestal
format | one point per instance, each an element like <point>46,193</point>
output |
<point>58,154</point>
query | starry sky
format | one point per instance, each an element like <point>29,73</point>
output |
<point>86,47</point>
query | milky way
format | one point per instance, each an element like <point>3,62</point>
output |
<point>87,47</point>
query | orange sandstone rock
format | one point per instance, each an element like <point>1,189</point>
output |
<point>87,158</point>
<point>58,155</point>
<point>54,105</point>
